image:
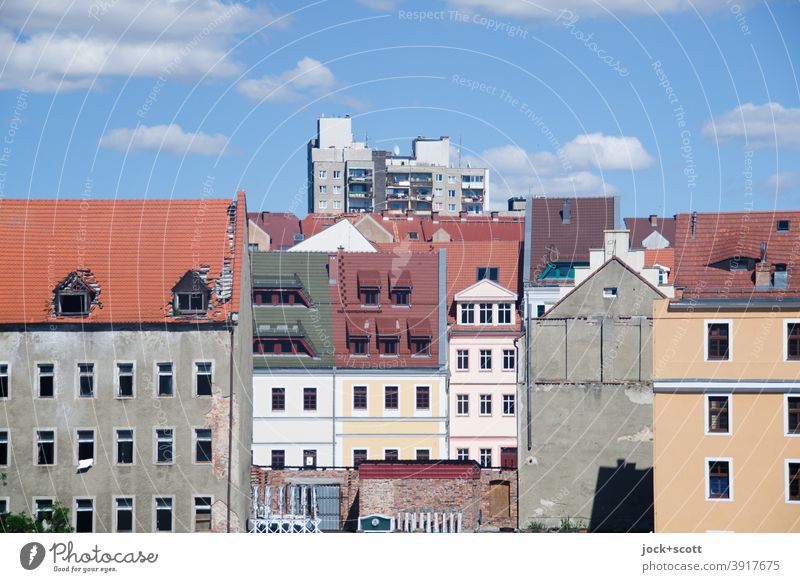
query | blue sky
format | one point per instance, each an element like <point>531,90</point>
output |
<point>674,105</point>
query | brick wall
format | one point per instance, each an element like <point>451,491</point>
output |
<point>473,497</point>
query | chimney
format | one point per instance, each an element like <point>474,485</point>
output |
<point>495,215</point>
<point>694,225</point>
<point>435,216</point>
<point>763,270</point>
<point>463,214</point>
<point>566,216</point>
<point>654,220</point>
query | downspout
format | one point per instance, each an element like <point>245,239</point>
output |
<point>640,349</point>
<point>566,350</point>
<point>528,399</point>
<point>333,418</point>
<point>601,349</point>
<point>231,329</point>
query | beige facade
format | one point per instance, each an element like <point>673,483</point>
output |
<point>726,445</point>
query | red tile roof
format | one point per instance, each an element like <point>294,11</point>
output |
<point>553,240</point>
<point>720,236</point>
<point>351,318</point>
<point>131,252</point>
<point>280,226</point>
<point>641,228</point>
<point>663,257</point>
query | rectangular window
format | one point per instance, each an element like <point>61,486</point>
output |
<point>486,359</point>
<point>421,347</point>
<point>509,404</point>
<point>509,360</point>
<point>486,457</point>
<point>438,191</point>
<point>719,479</point>
<point>202,514</point>
<point>452,194</point>
<point>491,273</point>
<point>309,399</point>
<point>609,292</point>
<point>462,404</point>
<point>423,400</point>
<point>163,511</point>
<point>278,459</point>
<point>86,380</point>
<point>43,509</point>
<point>359,346</point>
<point>165,379</point>
<point>203,378</point>
<point>337,174</point>
<point>337,204</point>
<point>467,313</point>
<point>3,447</point>
<point>783,226</point>
<point>486,404</point>
<point>793,415</point>
<point>310,458</point>
<point>123,507</point>
<point>793,481</point>
<point>451,207</point>
<point>4,386</point>
<point>359,397</point>
<point>323,174</point>
<point>45,447</point>
<point>486,313</point>
<point>370,296</point>
<point>423,454</point>
<point>323,204</point>
<point>391,455</point>
<point>540,309</point>
<point>388,345</point>
<point>125,446</point>
<point>278,399</point>
<point>462,360</point>
<point>504,313</point>
<point>451,179</point>
<point>401,296</point>
<point>359,456</point>
<point>84,515</point>
<point>125,380</point>
<point>85,445</point>
<point>462,454</point>
<point>391,398</point>
<point>202,445</point>
<point>718,414</point>
<point>47,388</point>
<point>164,445</point>
<point>439,177</point>
<point>793,341</point>
<point>337,190</point>
<point>718,341</point>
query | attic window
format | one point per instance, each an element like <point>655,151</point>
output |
<point>491,273</point>
<point>783,226</point>
<point>415,236</point>
<point>73,303</point>
<point>609,292</point>
<point>190,295</point>
<point>190,302</point>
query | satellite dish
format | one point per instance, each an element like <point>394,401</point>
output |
<point>396,150</point>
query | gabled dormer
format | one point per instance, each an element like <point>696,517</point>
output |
<point>486,303</point>
<point>191,295</point>
<point>74,295</point>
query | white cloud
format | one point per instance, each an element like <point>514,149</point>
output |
<point>307,78</point>
<point>165,138</point>
<point>607,152</point>
<point>550,9</point>
<point>760,126</point>
<point>782,182</point>
<point>50,46</point>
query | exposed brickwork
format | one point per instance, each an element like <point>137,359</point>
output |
<point>390,496</point>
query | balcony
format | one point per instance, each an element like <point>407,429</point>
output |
<point>469,184</point>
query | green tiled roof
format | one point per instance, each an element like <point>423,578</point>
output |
<point>309,272</point>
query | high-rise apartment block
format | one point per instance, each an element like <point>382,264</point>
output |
<point>349,176</point>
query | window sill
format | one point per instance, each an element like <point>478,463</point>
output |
<point>390,356</point>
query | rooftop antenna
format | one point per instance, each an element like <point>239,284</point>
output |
<point>459,150</point>
<point>366,139</point>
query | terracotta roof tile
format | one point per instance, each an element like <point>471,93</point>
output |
<point>641,228</point>
<point>280,226</point>
<point>133,252</point>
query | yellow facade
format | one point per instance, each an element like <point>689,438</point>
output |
<point>757,380</point>
<point>408,430</point>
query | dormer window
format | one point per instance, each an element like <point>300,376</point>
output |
<point>401,289</point>
<point>190,295</point>
<point>783,226</point>
<point>369,288</point>
<point>73,296</point>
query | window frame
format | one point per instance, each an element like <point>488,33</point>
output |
<point>37,430</point>
<point>485,399</point>
<point>395,449</point>
<point>35,510</point>
<point>115,513</point>
<point>272,459</point>
<point>5,499</point>
<point>459,354</point>
<point>512,398</point>
<point>77,444</point>
<point>156,449</point>
<point>353,455</point>
<point>196,445</point>
<point>359,411</point>
<point>486,313</point>
<point>196,378</point>
<point>786,324</point>
<point>610,292</point>
<point>277,391</point>
<point>387,410</point>
<point>417,393</point>
<point>707,409</point>
<point>786,431</point>
<point>418,450</point>
<point>38,387</point>
<point>172,513</point>
<point>466,309</point>
<point>8,381</point>
<point>707,323</point>
<point>117,376</point>
<point>462,454</point>
<point>308,392</point>
<point>74,519</point>
<point>482,355</point>
<point>786,463</point>
<point>116,446</point>
<point>503,309</point>
<point>485,451</point>
<point>513,356</point>
<point>462,399</point>
<point>195,497</point>
<point>158,374</point>
<point>7,432</point>
<point>707,471</point>
<point>79,375</point>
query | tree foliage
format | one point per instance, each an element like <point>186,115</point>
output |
<point>24,523</point>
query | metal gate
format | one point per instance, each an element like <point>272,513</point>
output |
<point>328,503</point>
